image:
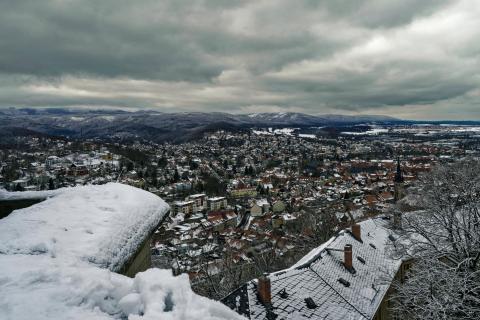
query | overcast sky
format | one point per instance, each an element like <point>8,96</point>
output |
<point>414,59</point>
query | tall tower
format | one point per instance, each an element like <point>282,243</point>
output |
<point>398,183</point>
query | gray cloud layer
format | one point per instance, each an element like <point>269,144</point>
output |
<point>412,59</point>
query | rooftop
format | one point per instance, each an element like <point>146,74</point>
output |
<point>336,292</point>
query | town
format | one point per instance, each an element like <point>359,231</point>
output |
<point>250,202</point>
<point>232,160</point>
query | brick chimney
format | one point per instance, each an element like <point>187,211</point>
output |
<point>356,231</point>
<point>265,289</point>
<point>347,251</point>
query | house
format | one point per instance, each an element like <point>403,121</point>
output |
<point>278,222</point>
<point>221,220</point>
<point>200,200</point>
<point>278,206</point>
<point>256,210</point>
<point>185,207</point>
<point>243,192</point>
<point>259,208</point>
<point>216,203</point>
<point>51,161</point>
<point>348,277</point>
<point>77,170</point>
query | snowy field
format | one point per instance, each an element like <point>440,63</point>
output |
<point>373,131</point>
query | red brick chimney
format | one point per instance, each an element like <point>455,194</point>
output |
<point>356,231</point>
<point>348,256</point>
<point>264,289</point>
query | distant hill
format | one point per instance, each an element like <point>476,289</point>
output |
<point>158,126</point>
<point>302,119</point>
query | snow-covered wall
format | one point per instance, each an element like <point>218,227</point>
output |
<point>23,195</point>
<point>102,224</point>
<point>58,260</point>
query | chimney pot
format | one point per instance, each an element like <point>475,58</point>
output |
<point>265,290</point>
<point>348,256</point>
<point>356,231</point>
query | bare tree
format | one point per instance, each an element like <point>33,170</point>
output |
<point>219,277</point>
<point>443,240</point>
<point>321,223</point>
<point>216,279</point>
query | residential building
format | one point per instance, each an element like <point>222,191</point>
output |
<point>216,203</point>
<point>348,277</point>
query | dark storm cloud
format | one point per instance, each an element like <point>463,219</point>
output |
<point>377,56</point>
<point>105,38</point>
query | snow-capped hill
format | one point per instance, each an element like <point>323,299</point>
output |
<point>157,126</point>
<point>358,118</point>
<point>288,118</point>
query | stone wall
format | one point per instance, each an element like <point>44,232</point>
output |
<point>142,259</point>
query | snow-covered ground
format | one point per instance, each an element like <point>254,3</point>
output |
<point>467,129</point>
<point>58,257</point>
<point>306,135</point>
<point>373,131</point>
<point>271,131</point>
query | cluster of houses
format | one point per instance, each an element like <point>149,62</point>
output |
<point>50,164</point>
<point>241,196</point>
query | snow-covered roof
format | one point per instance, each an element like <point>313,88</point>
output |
<point>198,195</point>
<point>183,203</point>
<point>216,199</point>
<point>58,257</point>
<point>262,202</point>
<point>319,276</point>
